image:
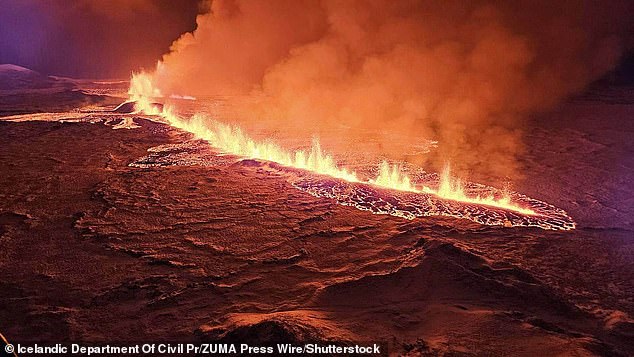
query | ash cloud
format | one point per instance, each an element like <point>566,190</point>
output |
<point>464,73</point>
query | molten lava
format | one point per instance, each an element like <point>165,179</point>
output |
<point>233,140</point>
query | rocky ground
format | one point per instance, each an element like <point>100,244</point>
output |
<point>94,249</point>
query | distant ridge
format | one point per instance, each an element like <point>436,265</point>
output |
<point>24,91</point>
<point>14,77</point>
<point>13,67</point>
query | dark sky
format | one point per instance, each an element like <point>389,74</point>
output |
<point>91,39</point>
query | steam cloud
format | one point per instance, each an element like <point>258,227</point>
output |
<point>464,73</point>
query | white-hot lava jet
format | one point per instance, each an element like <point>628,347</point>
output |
<point>231,139</point>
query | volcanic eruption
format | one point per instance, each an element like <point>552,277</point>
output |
<point>479,70</point>
<point>466,76</point>
<point>463,79</point>
<point>232,140</point>
<point>448,177</point>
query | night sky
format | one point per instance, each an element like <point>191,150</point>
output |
<point>91,39</point>
<point>109,39</point>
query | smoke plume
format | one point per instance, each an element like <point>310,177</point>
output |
<point>464,73</point>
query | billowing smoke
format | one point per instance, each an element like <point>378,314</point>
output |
<point>464,73</point>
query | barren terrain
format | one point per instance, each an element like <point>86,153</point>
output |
<point>99,245</point>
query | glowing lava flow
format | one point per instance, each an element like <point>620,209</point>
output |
<point>233,140</point>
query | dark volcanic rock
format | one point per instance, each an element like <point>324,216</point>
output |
<point>129,107</point>
<point>264,332</point>
<point>183,244</point>
<point>125,107</point>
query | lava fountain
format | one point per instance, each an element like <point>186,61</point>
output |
<point>232,140</point>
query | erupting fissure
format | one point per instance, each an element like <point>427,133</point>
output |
<point>231,139</point>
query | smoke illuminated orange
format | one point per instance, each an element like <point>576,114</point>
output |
<point>231,139</point>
